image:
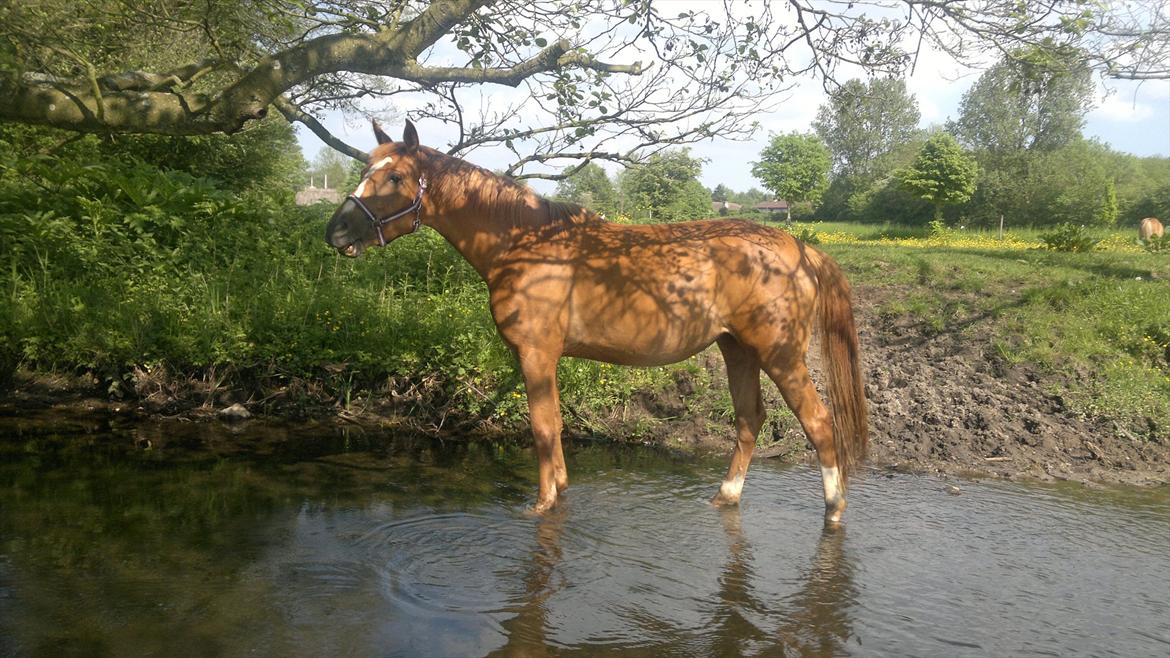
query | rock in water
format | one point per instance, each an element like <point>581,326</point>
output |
<point>235,412</point>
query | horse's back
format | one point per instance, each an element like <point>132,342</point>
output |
<point>650,294</point>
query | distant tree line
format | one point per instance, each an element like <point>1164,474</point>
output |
<point>664,189</point>
<point>1015,152</point>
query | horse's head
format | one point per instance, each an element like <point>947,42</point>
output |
<point>387,203</point>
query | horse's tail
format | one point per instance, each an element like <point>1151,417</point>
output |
<point>842,357</point>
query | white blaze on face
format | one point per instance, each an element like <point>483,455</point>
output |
<point>365,179</point>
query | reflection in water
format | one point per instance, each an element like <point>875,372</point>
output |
<point>817,615</point>
<point>814,621</point>
<point>526,632</point>
<point>731,625</point>
<point>359,546</point>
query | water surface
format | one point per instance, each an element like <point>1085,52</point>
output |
<point>156,540</point>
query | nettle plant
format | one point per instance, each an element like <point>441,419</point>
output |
<point>1069,237</point>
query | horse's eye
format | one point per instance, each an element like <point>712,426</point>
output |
<point>395,178</point>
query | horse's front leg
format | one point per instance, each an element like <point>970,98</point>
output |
<point>544,409</point>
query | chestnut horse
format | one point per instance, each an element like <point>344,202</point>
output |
<point>565,282</point>
<point>1150,228</point>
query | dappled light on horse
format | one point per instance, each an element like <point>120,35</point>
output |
<point>564,282</point>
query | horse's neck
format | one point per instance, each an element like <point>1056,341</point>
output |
<point>478,223</point>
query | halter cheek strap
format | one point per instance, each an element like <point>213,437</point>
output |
<point>379,224</point>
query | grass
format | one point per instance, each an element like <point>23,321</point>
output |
<point>1100,319</point>
<point>111,276</point>
<point>273,305</point>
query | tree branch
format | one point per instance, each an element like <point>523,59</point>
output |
<point>293,113</point>
<point>555,57</point>
<point>145,102</point>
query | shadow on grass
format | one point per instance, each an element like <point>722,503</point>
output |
<point>1102,264</point>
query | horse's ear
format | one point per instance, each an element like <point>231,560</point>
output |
<point>410,135</point>
<point>379,134</point>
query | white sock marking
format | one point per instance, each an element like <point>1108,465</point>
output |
<point>831,478</point>
<point>731,489</point>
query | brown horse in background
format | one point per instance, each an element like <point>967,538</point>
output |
<point>1150,228</point>
<point>564,282</point>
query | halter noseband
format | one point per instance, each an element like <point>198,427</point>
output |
<point>415,207</point>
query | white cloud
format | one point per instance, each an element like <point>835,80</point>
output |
<point>1122,108</point>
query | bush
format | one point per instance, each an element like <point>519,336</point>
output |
<point>117,266</point>
<point>1155,244</point>
<point>1069,237</point>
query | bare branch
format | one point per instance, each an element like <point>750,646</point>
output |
<point>293,113</point>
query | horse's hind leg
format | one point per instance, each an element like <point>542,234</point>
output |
<point>792,378</point>
<point>743,377</point>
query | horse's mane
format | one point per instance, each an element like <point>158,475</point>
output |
<point>503,196</point>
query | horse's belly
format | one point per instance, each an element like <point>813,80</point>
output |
<point>625,357</point>
<point>640,331</point>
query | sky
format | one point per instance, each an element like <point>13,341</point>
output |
<point>1129,116</point>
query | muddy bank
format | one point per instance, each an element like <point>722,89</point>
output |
<point>947,402</point>
<point>940,402</point>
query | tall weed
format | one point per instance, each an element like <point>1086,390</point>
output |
<point>111,266</point>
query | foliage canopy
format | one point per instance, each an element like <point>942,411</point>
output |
<point>193,68</point>
<point>795,168</point>
<point>941,174</point>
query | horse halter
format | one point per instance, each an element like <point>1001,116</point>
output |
<point>415,207</point>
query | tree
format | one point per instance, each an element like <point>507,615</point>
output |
<point>591,187</point>
<point>329,167</point>
<point>941,174</point>
<point>862,121</point>
<point>1067,185</point>
<point>720,193</point>
<point>666,188</point>
<point>175,67</point>
<point>795,168</point>
<point>1107,210</point>
<point>749,198</point>
<point>1034,100</point>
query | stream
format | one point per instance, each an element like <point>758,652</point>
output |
<point>193,539</point>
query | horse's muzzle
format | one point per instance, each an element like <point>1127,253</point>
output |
<point>347,230</point>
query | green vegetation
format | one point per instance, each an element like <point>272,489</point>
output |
<point>1069,237</point>
<point>1155,244</point>
<point>591,187</point>
<point>1101,320</point>
<point>941,174</point>
<point>119,268</point>
<point>665,188</point>
<point>795,168</point>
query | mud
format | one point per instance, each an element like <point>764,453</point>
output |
<point>940,402</point>
<point>947,402</point>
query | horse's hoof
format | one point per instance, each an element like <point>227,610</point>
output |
<point>541,508</point>
<point>834,511</point>
<point>719,500</point>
